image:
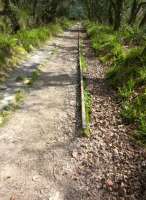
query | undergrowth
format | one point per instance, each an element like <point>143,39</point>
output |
<point>88,108</point>
<point>6,112</point>
<point>125,54</point>
<point>13,47</point>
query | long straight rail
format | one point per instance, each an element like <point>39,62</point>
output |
<point>83,109</point>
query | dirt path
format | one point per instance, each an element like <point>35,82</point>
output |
<point>42,156</point>
<point>35,144</point>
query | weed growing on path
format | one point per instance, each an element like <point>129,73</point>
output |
<point>10,108</point>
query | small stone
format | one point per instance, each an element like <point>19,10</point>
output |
<point>74,154</point>
<point>12,198</point>
<point>143,163</point>
<point>109,183</point>
<point>72,103</point>
<point>122,185</point>
<point>35,178</point>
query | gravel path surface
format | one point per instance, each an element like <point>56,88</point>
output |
<point>110,165</point>
<point>35,151</point>
<point>42,156</point>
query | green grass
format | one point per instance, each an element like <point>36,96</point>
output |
<point>83,63</point>
<point>9,109</point>
<point>125,54</point>
<point>14,47</point>
<point>34,77</point>
<point>4,116</point>
<point>88,109</point>
<point>105,43</point>
<point>31,79</point>
<point>19,96</point>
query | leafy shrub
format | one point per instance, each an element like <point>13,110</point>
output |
<point>104,42</point>
<point>34,37</point>
<point>29,39</point>
<point>127,71</point>
<point>127,90</point>
<point>131,35</point>
<point>64,23</point>
<point>130,68</point>
<point>11,46</point>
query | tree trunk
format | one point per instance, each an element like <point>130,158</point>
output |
<point>133,12</point>
<point>110,15</point>
<point>118,13</point>
<point>11,15</point>
<point>143,21</point>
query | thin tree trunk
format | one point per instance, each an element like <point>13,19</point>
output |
<point>110,15</point>
<point>143,21</point>
<point>118,14</point>
<point>135,10</point>
<point>11,15</point>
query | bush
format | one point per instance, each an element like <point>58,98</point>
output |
<point>131,35</point>
<point>11,46</point>
<point>29,39</point>
<point>105,43</point>
<point>127,69</point>
<point>65,23</point>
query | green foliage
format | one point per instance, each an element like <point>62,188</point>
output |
<point>34,77</point>
<point>4,116</point>
<point>127,70</point>
<point>7,41</point>
<point>83,63</point>
<point>33,38</point>
<point>127,90</point>
<point>10,108</point>
<point>135,111</point>
<point>104,42</point>
<point>132,68</point>
<point>65,23</point>
<point>131,35</point>
<point>19,96</point>
<point>13,47</point>
<point>88,108</point>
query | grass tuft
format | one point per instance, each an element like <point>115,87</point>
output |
<point>87,95</point>
<point>125,54</point>
<point>14,47</point>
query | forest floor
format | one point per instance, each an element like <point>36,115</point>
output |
<point>111,165</point>
<point>42,153</point>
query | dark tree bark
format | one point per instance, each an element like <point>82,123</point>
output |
<point>110,15</point>
<point>35,2</point>
<point>7,11</point>
<point>118,8</point>
<point>143,21</point>
<point>135,10</point>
